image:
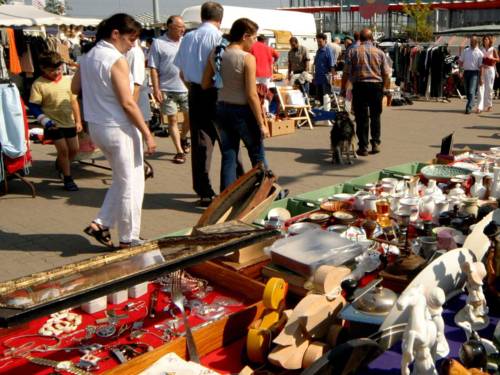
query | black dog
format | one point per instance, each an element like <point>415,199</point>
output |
<point>342,138</point>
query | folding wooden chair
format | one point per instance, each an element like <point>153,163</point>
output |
<point>292,100</point>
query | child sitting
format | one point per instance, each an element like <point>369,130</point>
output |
<point>56,108</point>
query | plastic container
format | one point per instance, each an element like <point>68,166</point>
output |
<point>95,305</point>
<point>118,297</point>
<point>138,290</point>
<point>305,252</point>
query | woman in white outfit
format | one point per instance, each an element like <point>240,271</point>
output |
<point>487,78</point>
<point>116,126</point>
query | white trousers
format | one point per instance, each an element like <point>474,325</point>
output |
<point>122,147</point>
<point>485,97</point>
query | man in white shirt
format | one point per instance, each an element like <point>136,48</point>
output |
<point>137,65</point>
<point>471,60</point>
<point>191,60</point>
<point>168,88</point>
<point>337,49</point>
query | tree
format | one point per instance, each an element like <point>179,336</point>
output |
<point>421,30</point>
<point>56,6</point>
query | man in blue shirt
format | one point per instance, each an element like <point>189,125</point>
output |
<point>324,67</point>
<point>168,88</point>
<point>191,60</point>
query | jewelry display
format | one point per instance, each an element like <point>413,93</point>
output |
<point>67,366</point>
<point>16,351</point>
<point>152,305</point>
<point>126,352</point>
<point>61,322</point>
<point>134,306</point>
<point>189,284</point>
<point>168,335</point>
<point>106,331</point>
<point>89,362</point>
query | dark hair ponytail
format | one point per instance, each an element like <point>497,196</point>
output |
<point>241,27</point>
<point>124,23</point>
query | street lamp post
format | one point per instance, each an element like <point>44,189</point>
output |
<point>340,16</point>
<point>156,16</point>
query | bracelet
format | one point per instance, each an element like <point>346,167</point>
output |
<point>29,346</point>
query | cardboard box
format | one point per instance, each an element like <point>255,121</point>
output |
<point>281,127</point>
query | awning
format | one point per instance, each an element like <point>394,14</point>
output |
<point>27,15</point>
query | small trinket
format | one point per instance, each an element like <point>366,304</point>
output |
<point>106,331</point>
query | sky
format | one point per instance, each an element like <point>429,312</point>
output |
<point>104,8</point>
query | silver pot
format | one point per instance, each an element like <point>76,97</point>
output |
<point>378,301</point>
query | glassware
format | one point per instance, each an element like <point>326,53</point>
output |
<point>383,211</point>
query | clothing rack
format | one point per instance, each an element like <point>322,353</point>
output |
<point>25,159</point>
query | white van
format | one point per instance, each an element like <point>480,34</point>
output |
<point>277,25</point>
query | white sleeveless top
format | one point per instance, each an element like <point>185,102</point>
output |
<point>488,53</point>
<point>100,104</point>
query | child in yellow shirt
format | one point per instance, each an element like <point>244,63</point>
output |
<point>56,108</point>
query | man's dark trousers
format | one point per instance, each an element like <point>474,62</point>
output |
<point>367,105</point>
<point>202,107</point>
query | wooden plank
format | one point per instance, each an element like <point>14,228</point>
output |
<point>233,281</point>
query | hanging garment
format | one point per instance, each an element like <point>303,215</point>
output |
<point>15,65</point>
<point>22,163</point>
<point>4,73</point>
<point>12,133</point>
<point>27,62</point>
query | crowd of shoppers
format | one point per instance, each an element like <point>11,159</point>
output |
<point>479,70</point>
<point>215,83</point>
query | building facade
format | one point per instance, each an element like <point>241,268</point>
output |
<point>346,16</point>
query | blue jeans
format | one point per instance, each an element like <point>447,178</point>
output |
<point>471,78</point>
<point>235,123</point>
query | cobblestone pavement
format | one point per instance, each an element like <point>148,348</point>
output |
<point>45,232</point>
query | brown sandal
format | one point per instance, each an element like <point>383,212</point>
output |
<point>102,234</point>
<point>179,158</point>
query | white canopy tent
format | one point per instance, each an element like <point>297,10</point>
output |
<point>297,23</point>
<point>27,15</point>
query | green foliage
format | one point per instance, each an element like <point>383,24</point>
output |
<point>56,6</point>
<point>421,30</point>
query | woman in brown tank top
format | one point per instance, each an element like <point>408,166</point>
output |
<point>239,113</point>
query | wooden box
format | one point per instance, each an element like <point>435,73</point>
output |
<point>281,127</point>
<point>213,336</point>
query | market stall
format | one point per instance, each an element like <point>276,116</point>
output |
<point>27,15</point>
<point>351,274</point>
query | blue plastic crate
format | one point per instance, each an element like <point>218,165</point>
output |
<point>322,115</point>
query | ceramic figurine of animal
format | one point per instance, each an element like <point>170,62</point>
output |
<point>342,138</point>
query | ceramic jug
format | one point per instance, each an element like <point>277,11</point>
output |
<point>370,203</point>
<point>431,187</point>
<point>359,200</point>
<point>426,205</point>
<point>478,189</point>
<point>409,206</point>
<point>495,187</point>
<point>441,205</point>
<point>469,205</point>
<point>456,193</point>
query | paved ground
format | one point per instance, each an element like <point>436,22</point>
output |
<point>41,233</point>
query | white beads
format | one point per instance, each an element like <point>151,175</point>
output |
<point>61,322</point>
